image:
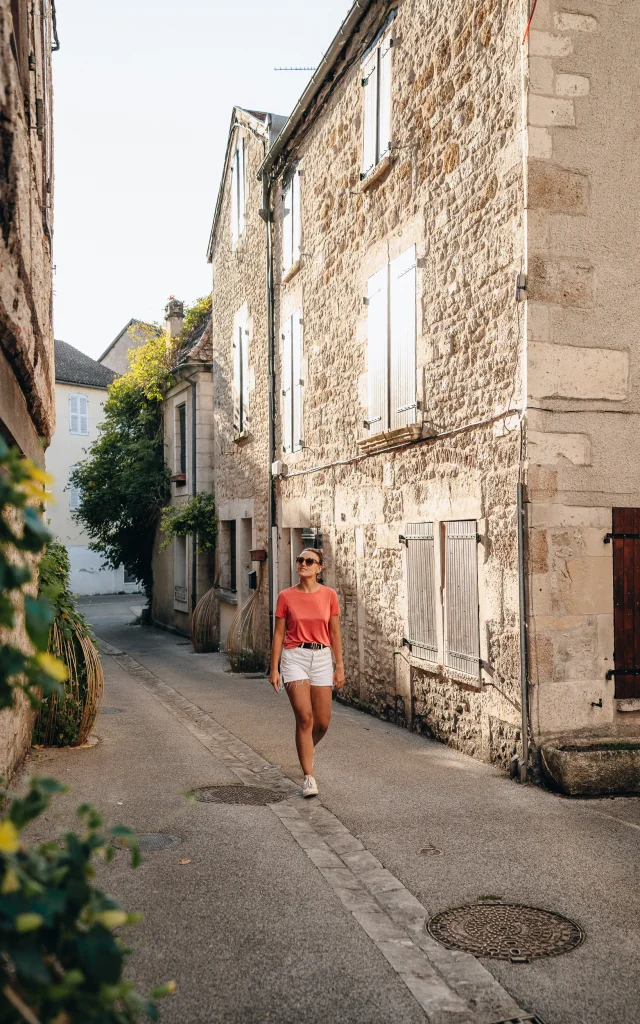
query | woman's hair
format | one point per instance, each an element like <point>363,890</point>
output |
<point>318,552</point>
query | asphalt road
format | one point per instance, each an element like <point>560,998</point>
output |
<point>252,930</point>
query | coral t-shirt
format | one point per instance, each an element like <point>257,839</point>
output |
<point>307,615</point>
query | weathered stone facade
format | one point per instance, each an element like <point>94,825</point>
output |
<point>27,410</point>
<point>526,313</point>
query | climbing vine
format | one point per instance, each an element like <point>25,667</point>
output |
<point>193,518</point>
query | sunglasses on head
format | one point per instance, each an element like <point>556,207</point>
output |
<point>307,561</point>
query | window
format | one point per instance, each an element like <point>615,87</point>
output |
<point>180,574</point>
<point>391,375</point>
<point>291,222</point>
<point>462,624</point>
<point>181,439</point>
<point>238,190</point>
<point>376,87</point>
<point>241,374</point>
<point>292,384</point>
<point>78,414</point>
<point>228,563</point>
<point>421,591</point>
<point>75,494</point>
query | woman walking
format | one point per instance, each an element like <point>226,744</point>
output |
<point>308,625</point>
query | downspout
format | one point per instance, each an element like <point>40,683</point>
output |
<point>272,519</point>
<point>524,687</point>
<point>193,381</point>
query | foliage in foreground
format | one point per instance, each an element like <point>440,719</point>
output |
<point>195,517</point>
<point>68,720</point>
<point>60,962</point>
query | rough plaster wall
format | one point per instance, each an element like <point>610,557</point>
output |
<point>241,467</point>
<point>455,189</point>
<point>583,363</point>
<point>26,334</point>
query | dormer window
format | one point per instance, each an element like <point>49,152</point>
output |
<point>238,198</point>
<point>376,88</point>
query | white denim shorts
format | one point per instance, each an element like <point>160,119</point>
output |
<point>302,663</point>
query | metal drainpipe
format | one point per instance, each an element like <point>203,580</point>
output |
<point>194,487</point>
<point>266,213</point>
<point>524,688</point>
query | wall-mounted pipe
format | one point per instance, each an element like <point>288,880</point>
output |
<point>524,684</point>
<point>271,363</point>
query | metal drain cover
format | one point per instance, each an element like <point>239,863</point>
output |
<point>520,1020</point>
<point>110,711</point>
<point>154,842</point>
<point>506,931</point>
<point>255,795</point>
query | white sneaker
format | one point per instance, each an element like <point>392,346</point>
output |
<point>309,786</point>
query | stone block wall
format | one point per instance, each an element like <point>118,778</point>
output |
<point>583,352</point>
<point>454,187</point>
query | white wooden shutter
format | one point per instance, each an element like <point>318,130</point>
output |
<point>74,414</point>
<point>402,347</point>
<point>384,100</point>
<point>421,591</point>
<point>244,334</point>
<point>377,350</point>
<point>241,186</point>
<point>297,382</point>
<point>83,414</point>
<point>462,639</point>
<point>234,197</point>
<point>287,221</point>
<point>370,109</point>
<point>287,424</point>
<point>295,212</point>
<point>237,373</point>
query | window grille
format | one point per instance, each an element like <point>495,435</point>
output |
<point>462,639</point>
<point>421,591</point>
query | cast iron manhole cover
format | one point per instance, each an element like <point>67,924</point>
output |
<point>237,795</point>
<point>110,711</point>
<point>153,842</point>
<point>506,931</point>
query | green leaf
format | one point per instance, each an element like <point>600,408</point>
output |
<point>38,615</point>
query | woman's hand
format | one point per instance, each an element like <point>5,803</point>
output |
<point>338,677</point>
<point>276,680</point>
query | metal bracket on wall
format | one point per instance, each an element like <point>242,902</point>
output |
<point>613,672</point>
<point>403,540</point>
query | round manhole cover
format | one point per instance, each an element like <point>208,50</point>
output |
<point>255,795</point>
<point>110,711</point>
<point>506,931</point>
<point>154,842</point>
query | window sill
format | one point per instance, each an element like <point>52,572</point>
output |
<point>377,173</point>
<point>390,438</point>
<point>242,437</point>
<point>444,674</point>
<point>227,596</point>
<point>291,272</point>
<point>179,479</point>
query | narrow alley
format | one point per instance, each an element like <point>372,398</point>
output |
<point>313,911</point>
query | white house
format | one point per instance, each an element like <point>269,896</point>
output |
<point>81,391</point>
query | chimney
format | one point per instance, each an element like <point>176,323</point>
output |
<point>173,316</point>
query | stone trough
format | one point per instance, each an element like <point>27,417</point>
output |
<point>593,767</point>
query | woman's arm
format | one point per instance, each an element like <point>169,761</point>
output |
<point>336,647</point>
<point>276,651</point>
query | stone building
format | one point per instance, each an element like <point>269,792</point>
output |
<point>181,573</point>
<point>455,307</point>
<point>27,412</point>
<point>237,251</point>
<point>132,336</point>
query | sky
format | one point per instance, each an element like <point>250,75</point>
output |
<point>143,91</point>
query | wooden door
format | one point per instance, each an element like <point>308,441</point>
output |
<point>626,601</point>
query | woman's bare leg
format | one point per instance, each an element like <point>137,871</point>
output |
<point>300,698</point>
<point>321,700</point>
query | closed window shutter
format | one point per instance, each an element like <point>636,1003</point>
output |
<point>74,415</point>
<point>74,492</point>
<point>245,376</point>
<point>295,213</point>
<point>403,339</point>
<point>287,416</point>
<point>237,374</point>
<point>377,351</point>
<point>83,414</point>
<point>384,101</point>
<point>421,591</point>
<point>234,197</point>
<point>287,232</point>
<point>370,129</point>
<point>462,640</point>
<point>298,383</point>
<point>241,187</point>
